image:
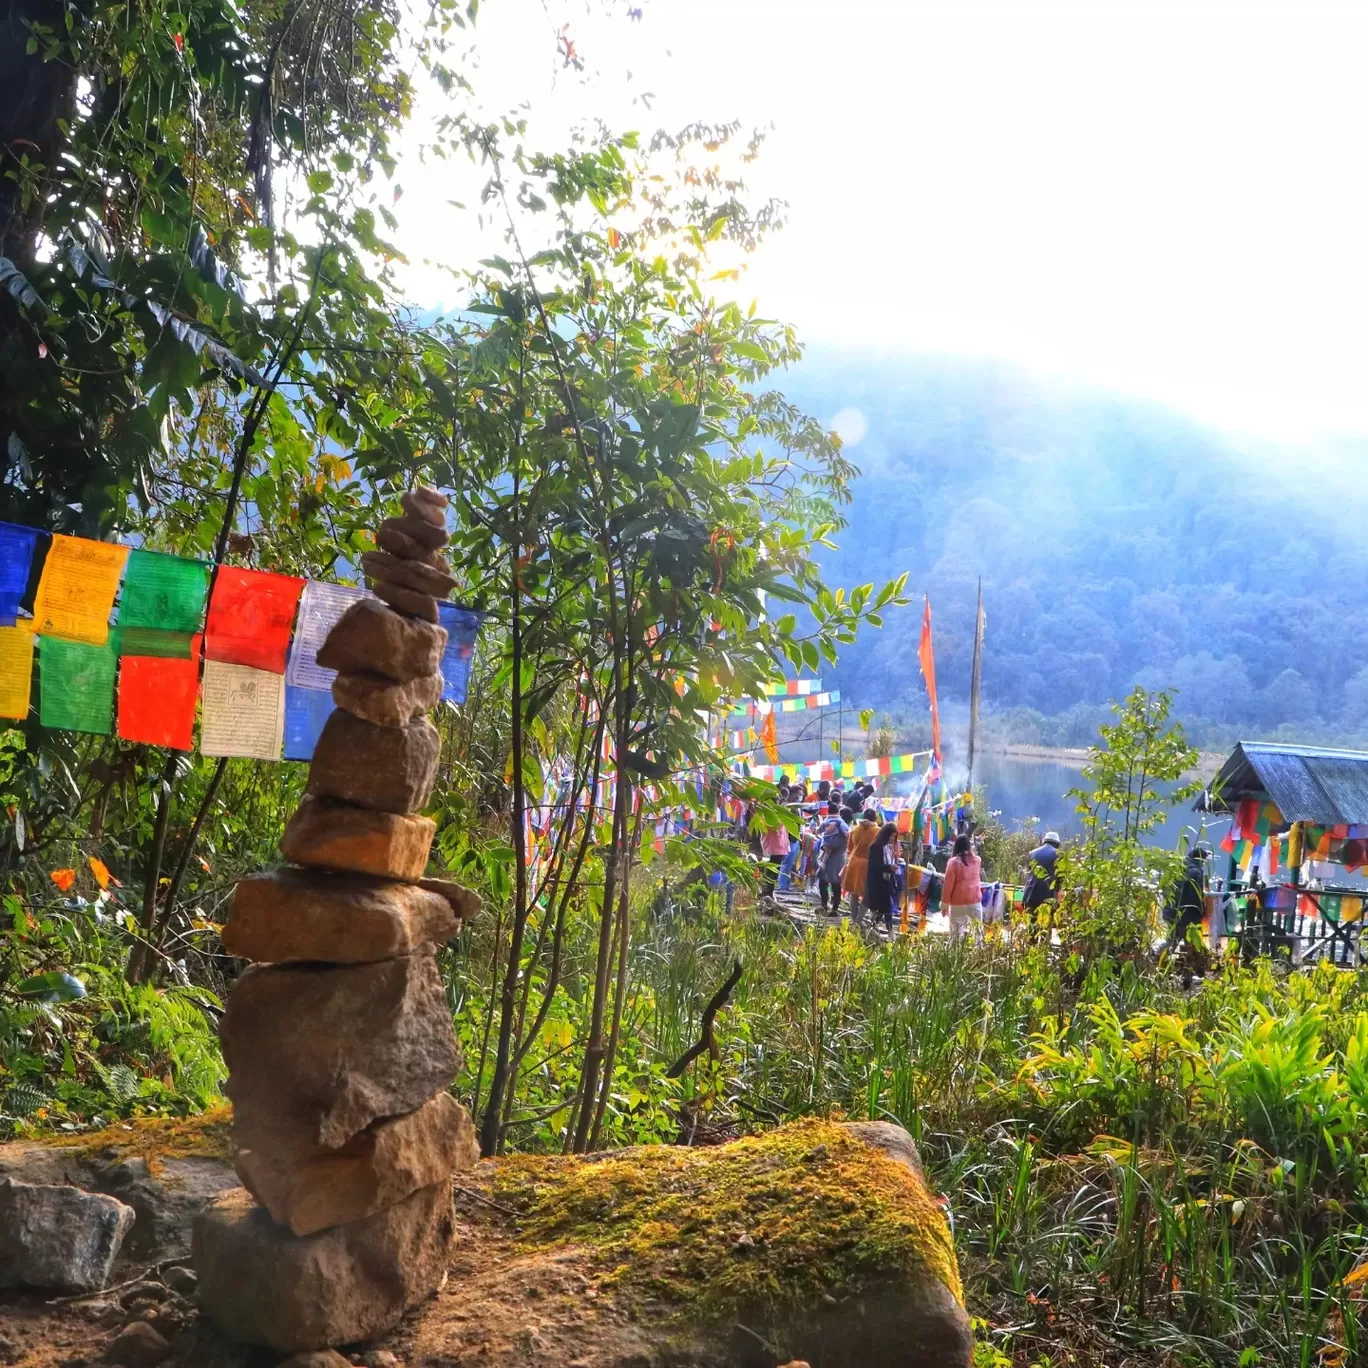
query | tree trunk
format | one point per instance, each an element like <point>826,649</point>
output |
<point>491,1122</point>
<point>36,98</point>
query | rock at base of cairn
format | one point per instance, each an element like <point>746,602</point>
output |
<point>263,1285</point>
<point>313,1190</point>
<point>332,835</point>
<point>308,915</point>
<point>320,1053</point>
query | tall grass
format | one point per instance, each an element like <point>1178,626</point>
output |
<point>1137,1174</point>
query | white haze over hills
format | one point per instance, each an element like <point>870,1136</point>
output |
<point>1158,198</point>
<point>1119,542</point>
<point>1084,288</point>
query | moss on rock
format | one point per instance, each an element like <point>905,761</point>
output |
<point>801,1214</point>
<point>204,1135</point>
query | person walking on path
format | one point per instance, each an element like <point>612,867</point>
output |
<point>862,836</point>
<point>833,837</point>
<point>1042,883</point>
<point>774,846</point>
<point>1042,879</point>
<point>881,878</point>
<point>962,894</point>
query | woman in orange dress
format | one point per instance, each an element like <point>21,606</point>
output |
<point>862,836</point>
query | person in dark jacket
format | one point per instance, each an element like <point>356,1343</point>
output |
<point>1189,898</point>
<point>882,875</point>
<point>1042,884</point>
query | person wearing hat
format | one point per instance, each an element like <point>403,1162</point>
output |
<point>1042,884</point>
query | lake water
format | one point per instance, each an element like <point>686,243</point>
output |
<point>1022,787</point>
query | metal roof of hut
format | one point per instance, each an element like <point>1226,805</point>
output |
<point>1308,783</point>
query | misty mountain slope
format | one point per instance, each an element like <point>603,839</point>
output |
<point>1118,542</point>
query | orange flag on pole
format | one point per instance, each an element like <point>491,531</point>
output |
<point>768,737</point>
<point>927,655</point>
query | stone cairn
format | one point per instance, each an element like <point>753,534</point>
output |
<point>338,1040</point>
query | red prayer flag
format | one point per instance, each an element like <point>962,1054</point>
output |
<point>251,613</point>
<point>157,697</point>
<point>927,656</point>
<point>768,737</point>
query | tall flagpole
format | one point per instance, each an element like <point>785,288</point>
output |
<point>975,683</point>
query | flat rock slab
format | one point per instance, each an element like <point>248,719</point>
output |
<point>372,636</point>
<point>377,699</point>
<point>408,601</point>
<point>419,528</point>
<point>59,1238</point>
<point>314,1189</point>
<point>416,575</point>
<point>320,1053</point>
<point>825,1248</point>
<point>330,835</point>
<point>388,769</point>
<point>166,1197</point>
<point>426,503</point>
<point>398,543</point>
<point>263,1285</point>
<point>292,915</point>
<point>464,902</point>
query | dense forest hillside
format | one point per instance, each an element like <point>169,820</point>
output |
<point>1118,542</point>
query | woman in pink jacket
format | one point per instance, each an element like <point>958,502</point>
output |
<point>962,895</point>
<point>774,845</point>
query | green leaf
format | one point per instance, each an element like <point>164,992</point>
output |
<point>319,181</point>
<point>16,284</point>
<point>58,986</point>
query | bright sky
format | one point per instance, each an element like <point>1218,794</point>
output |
<point>1168,200</point>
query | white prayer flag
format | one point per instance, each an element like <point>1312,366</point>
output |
<point>243,711</point>
<point>319,610</point>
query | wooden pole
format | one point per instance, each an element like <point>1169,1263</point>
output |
<point>975,684</point>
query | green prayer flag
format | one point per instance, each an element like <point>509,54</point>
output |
<point>147,641</point>
<point>163,592</point>
<point>75,685</point>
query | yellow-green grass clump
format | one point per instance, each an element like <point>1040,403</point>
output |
<point>204,1135</point>
<point>787,1218</point>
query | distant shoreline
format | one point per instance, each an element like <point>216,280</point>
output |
<point>1077,756</point>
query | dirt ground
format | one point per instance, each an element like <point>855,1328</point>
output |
<point>498,1307</point>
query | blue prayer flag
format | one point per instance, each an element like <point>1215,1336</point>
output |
<point>16,561</point>
<point>306,710</point>
<point>462,626</point>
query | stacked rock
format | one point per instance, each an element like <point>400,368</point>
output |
<point>338,1040</point>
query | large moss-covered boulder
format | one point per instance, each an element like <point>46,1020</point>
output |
<point>809,1242</point>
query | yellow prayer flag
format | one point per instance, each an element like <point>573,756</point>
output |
<point>16,670</point>
<point>76,592</point>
